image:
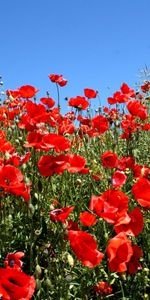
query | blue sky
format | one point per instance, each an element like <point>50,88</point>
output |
<point>97,44</point>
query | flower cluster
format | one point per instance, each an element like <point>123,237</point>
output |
<point>83,184</point>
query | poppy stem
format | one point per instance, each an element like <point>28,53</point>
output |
<point>58,95</point>
<point>122,290</point>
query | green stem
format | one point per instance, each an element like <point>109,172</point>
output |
<point>58,95</point>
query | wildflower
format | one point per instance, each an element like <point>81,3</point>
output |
<point>85,247</point>
<point>119,252</point>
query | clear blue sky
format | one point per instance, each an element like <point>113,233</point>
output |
<point>94,43</point>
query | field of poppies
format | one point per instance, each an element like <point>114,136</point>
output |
<point>74,194</point>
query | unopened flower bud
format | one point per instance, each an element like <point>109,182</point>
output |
<point>48,282</point>
<point>7,155</point>
<point>11,98</point>
<point>38,284</point>
<point>38,271</point>
<point>36,196</point>
<point>70,260</point>
<point>31,208</point>
<point>79,181</point>
<point>146,270</point>
<point>123,275</point>
<point>143,171</point>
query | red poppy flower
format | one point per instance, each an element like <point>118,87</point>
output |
<point>145,87</point>
<point>55,141</point>
<point>12,260</point>
<point>112,114</point>
<point>137,109</point>
<point>129,126</point>
<point>66,126</point>
<point>145,127</point>
<point>27,91</point>
<point>35,110</point>
<point>49,164</point>
<point>16,285</point>
<point>135,224</point>
<point>13,93</point>
<point>111,100</point>
<point>58,79</point>
<point>16,102</point>
<point>79,102</point>
<point>48,101</point>
<point>6,146</point>
<point>118,179</point>
<point>119,252</point>
<point>141,192</point>
<point>109,159</point>
<point>115,205</point>
<point>118,97</point>
<point>123,96</point>
<point>96,204</point>
<point>3,294</point>
<point>72,225</point>
<point>134,265</point>
<point>11,180</point>
<point>13,113</point>
<point>84,120</point>
<point>76,163</point>
<point>87,219</point>
<point>126,90</point>
<point>18,160</point>
<point>70,116</point>
<point>90,93</point>
<point>85,247</point>
<point>103,288</point>
<point>91,132</point>
<point>2,134</point>
<point>34,139</point>
<point>100,124</point>
<point>141,171</point>
<point>126,162</point>
<point>35,114</point>
<point>61,214</point>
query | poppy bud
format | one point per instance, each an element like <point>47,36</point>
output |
<point>36,196</point>
<point>17,141</point>
<point>38,284</point>
<point>27,181</point>
<point>79,181</point>
<point>70,260</point>
<point>123,276</point>
<point>9,130</point>
<point>48,282</point>
<point>7,155</point>
<point>24,166</point>
<point>11,98</point>
<point>31,208</point>
<point>38,271</point>
<point>146,270</point>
